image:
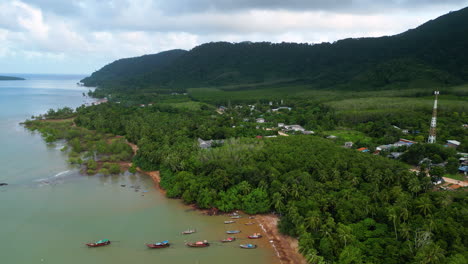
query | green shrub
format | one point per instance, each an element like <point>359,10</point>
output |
<point>104,171</point>
<point>114,169</point>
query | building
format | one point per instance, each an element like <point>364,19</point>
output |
<point>384,147</point>
<point>404,142</point>
<point>463,169</point>
<point>294,128</point>
<point>453,143</point>
<point>280,108</point>
<point>307,132</point>
<point>348,144</point>
<point>280,124</point>
<point>331,137</point>
<point>260,120</point>
<point>363,150</point>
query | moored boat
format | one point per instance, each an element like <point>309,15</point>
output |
<point>100,243</point>
<point>249,223</point>
<point>255,236</point>
<point>189,231</point>
<point>229,239</point>
<point>229,222</point>
<point>203,243</point>
<point>233,232</point>
<point>163,244</point>
<point>235,217</point>
<point>248,246</point>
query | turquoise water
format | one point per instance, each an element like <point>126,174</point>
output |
<point>48,210</point>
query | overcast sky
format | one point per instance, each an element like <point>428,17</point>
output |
<point>81,36</point>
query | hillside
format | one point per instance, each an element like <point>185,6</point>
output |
<point>10,78</point>
<point>432,54</point>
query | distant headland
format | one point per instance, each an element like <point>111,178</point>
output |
<point>10,78</point>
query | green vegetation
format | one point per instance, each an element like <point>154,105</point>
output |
<point>431,55</point>
<point>342,205</point>
<point>10,78</point>
<point>84,146</point>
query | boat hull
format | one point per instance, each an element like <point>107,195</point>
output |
<point>198,245</point>
<point>98,244</point>
<point>158,246</point>
<point>247,247</point>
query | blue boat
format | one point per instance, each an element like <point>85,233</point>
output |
<point>233,232</point>
<point>248,246</point>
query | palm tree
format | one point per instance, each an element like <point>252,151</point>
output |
<point>425,205</point>
<point>314,221</point>
<point>393,216</point>
<point>277,202</point>
<point>431,253</point>
<point>344,233</point>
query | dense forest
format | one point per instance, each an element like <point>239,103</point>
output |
<point>343,206</point>
<point>433,54</point>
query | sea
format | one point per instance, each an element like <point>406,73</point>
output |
<point>48,210</point>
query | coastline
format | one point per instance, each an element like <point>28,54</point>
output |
<point>285,247</point>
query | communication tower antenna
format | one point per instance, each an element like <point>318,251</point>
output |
<point>432,130</point>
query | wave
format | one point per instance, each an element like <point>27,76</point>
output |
<point>53,178</point>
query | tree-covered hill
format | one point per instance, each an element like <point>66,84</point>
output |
<point>123,70</point>
<point>433,54</point>
<point>10,78</point>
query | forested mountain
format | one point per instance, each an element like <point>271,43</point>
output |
<point>10,78</point>
<point>121,71</point>
<point>432,54</point>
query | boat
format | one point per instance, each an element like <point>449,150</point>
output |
<point>249,223</point>
<point>229,222</point>
<point>235,217</point>
<point>233,232</point>
<point>251,217</point>
<point>229,239</point>
<point>248,246</point>
<point>189,231</point>
<point>203,243</point>
<point>100,243</point>
<point>255,236</point>
<point>163,244</point>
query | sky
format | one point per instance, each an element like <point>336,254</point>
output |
<point>81,36</point>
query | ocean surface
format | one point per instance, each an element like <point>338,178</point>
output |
<point>48,210</point>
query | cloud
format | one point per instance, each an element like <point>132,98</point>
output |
<point>83,35</point>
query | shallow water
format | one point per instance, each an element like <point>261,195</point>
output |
<point>48,210</point>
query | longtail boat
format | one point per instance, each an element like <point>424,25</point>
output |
<point>198,244</point>
<point>229,239</point>
<point>249,223</point>
<point>255,236</point>
<point>163,244</point>
<point>189,231</point>
<point>235,217</point>
<point>100,243</point>
<point>229,222</point>
<point>233,232</point>
<point>248,246</point>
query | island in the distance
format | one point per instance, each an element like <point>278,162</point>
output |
<point>10,78</point>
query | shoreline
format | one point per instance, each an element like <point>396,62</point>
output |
<point>285,247</point>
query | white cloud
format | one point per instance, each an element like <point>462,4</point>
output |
<point>83,35</point>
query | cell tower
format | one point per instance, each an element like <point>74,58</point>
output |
<point>432,130</point>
